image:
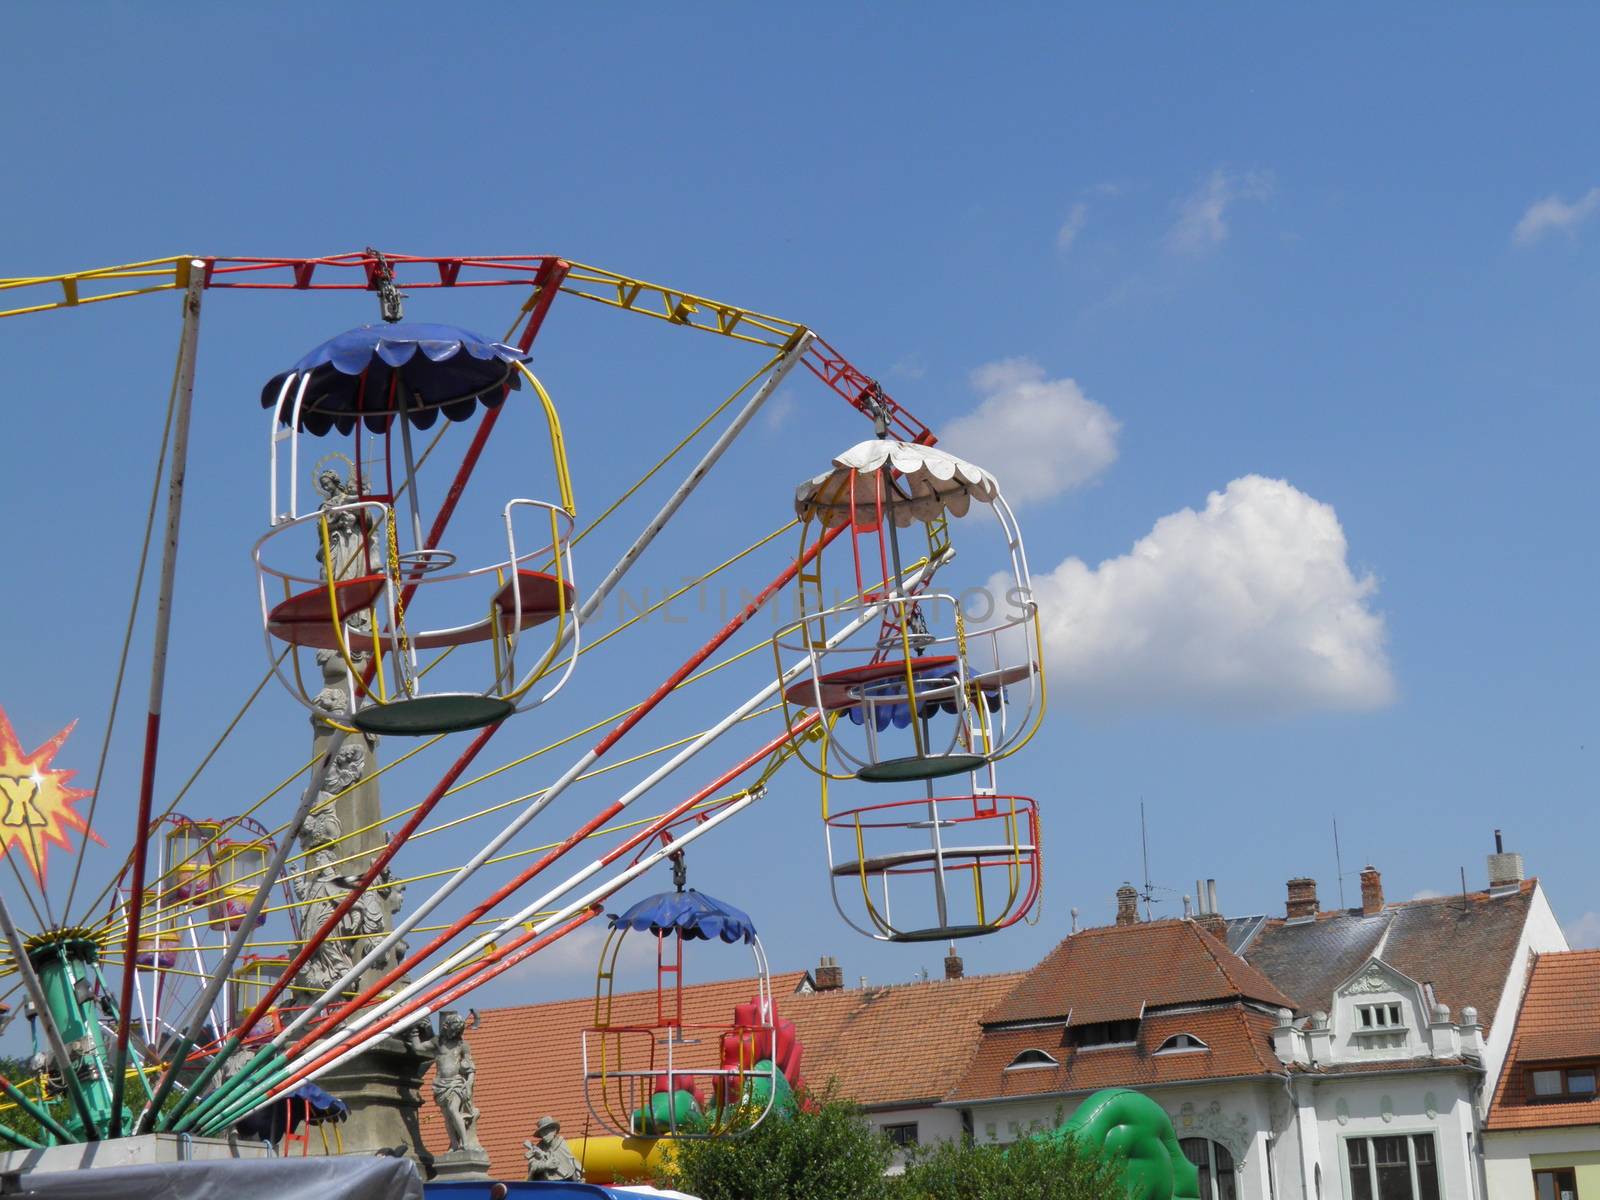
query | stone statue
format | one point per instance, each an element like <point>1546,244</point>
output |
<point>548,1155</point>
<point>319,893</point>
<point>454,1078</point>
<point>345,534</point>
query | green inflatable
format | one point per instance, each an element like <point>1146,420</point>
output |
<point>1134,1128</point>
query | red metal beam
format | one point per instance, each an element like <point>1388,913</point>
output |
<point>862,392</point>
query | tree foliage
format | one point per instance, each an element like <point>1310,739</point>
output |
<point>824,1151</point>
<point>1037,1168</point>
<point>827,1151</point>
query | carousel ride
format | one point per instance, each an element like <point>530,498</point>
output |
<point>227,963</point>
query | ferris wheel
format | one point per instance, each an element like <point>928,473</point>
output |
<point>227,962</point>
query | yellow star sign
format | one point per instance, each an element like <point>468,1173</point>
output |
<point>35,800</point>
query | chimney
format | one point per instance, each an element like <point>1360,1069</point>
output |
<point>1371,891</point>
<point>1505,870</point>
<point>1302,904</point>
<point>829,976</point>
<point>1127,905</point>
<point>953,968</point>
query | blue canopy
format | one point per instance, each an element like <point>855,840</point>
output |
<point>360,374</point>
<point>692,913</point>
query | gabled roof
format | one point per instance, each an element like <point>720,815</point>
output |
<point>1117,972</point>
<point>1462,945</point>
<point>1238,1042</point>
<point>1559,1021</point>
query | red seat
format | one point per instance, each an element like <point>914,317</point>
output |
<point>539,600</point>
<point>306,619</point>
<point>837,685</point>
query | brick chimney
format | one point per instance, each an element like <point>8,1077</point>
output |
<point>1302,898</point>
<point>1127,905</point>
<point>953,966</point>
<point>829,975</point>
<point>1505,868</point>
<point>1371,891</point>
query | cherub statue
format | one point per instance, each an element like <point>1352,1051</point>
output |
<point>454,1078</point>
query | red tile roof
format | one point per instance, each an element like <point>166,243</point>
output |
<point>1120,973</point>
<point>1558,1021</point>
<point>530,1062</point>
<point>905,1044</point>
<point>1238,1042</point>
<point>1116,972</point>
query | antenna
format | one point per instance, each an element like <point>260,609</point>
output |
<point>1338,861</point>
<point>1144,848</point>
<point>1148,895</point>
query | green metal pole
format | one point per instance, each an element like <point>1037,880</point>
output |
<point>258,1083</point>
<point>37,1111</point>
<point>164,1089</point>
<point>18,1139</point>
<point>46,1018</point>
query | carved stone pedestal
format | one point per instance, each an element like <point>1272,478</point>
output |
<point>381,1087</point>
<point>461,1164</point>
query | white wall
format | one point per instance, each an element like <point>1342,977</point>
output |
<point>1252,1101</point>
<point>1391,1106</point>
<point>1505,1157</point>
<point>933,1125</point>
<point>1541,934</point>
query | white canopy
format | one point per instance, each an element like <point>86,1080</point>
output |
<point>930,482</point>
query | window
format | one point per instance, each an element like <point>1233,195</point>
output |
<point>1393,1168</point>
<point>901,1136</point>
<point>1562,1083</point>
<point>1181,1041</point>
<point>1380,1016</point>
<point>1103,1033</point>
<point>1561,1184</point>
<point>1214,1164</point>
<point>1032,1058</point>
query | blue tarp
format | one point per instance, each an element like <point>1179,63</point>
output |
<point>272,1122</point>
<point>440,367</point>
<point>693,913</point>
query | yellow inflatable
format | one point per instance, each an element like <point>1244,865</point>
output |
<point>620,1160</point>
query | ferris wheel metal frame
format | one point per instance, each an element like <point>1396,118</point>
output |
<point>330,1028</point>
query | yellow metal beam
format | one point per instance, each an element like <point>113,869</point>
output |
<point>677,307</point>
<point>77,288</point>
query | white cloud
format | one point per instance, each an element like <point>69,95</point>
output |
<point>1555,215</point>
<point>1427,894</point>
<point>1039,436</point>
<point>1202,214</point>
<point>1246,607</point>
<point>1584,933</point>
<point>1072,226</point>
<point>779,409</point>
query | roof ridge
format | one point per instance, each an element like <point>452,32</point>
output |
<point>1222,969</point>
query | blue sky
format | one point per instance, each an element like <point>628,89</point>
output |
<point>1283,330</point>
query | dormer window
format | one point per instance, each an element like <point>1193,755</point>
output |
<point>1103,1033</point>
<point>1380,1016</point>
<point>1179,1042</point>
<point>1032,1058</point>
<point>1546,1084</point>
